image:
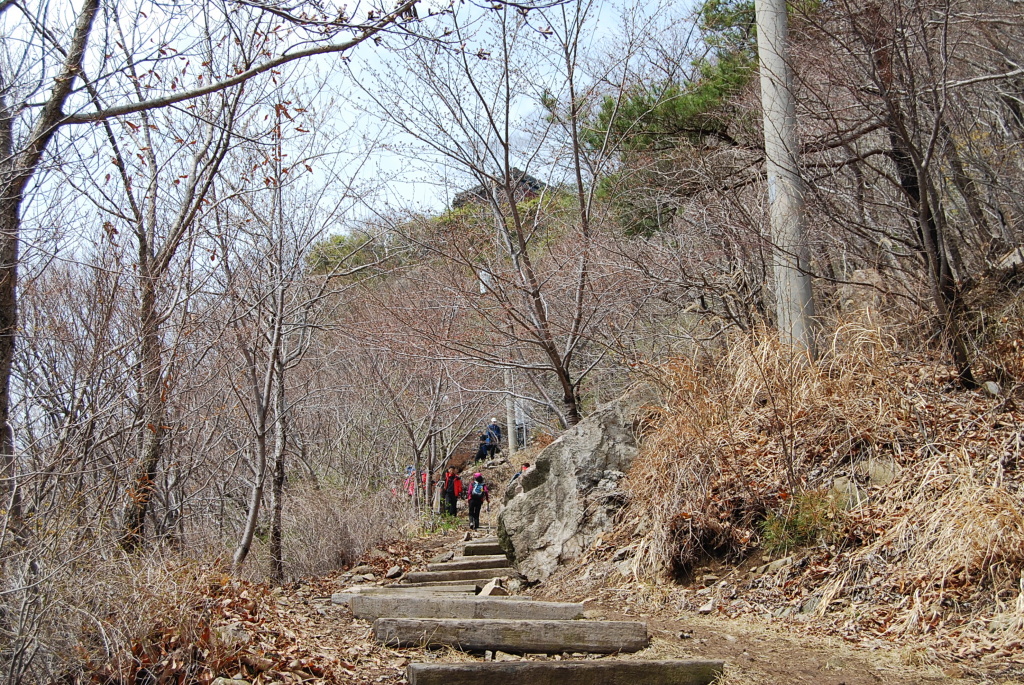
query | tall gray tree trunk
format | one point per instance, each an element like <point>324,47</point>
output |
<point>794,298</point>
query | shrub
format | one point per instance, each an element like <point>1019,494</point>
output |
<point>810,518</point>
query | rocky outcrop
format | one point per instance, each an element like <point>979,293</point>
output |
<point>572,492</point>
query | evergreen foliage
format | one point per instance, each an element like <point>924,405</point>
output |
<point>657,118</point>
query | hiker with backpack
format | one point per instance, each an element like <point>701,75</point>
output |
<point>451,490</point>
<point>478,494</point>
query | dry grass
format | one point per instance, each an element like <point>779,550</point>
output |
<point>748,432</point>
<point>75,606</point>
<point>327,528</point>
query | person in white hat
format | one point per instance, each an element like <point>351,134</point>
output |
<point>493,438</point>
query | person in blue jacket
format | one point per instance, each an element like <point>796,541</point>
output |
<point>493,438</point>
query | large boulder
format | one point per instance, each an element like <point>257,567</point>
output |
<point>572,492</point>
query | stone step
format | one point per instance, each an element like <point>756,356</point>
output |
<point>473,549</point>
<point>344,596</point>
<point>549,637</point>
<point>418,577</point>
<point>465,564</point>
<point>378,606</point>
<point>477,583</point>
<point>596,672</point>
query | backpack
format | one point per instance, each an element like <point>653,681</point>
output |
<point>477,489</point>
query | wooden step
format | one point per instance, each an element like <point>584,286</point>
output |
<point>419,577</point>
<point>468,563</point>
<point>477,583</point>
<point>344,596</point>
<point>549,637</point>
<point>378,606</point>
<point>596,672</point>
<point>473,549</point>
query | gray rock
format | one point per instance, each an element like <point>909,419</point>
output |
<point>493,588</point>
<point>810,605</point>
<point>443,557</point>
<point>572,493</point>
<point>232,635</point>
<point>877,470</point>
<point>393,572</point>
<point>991,388</point>
<point>1001,623</point>
<point>846,494</point>
<point>864,292</point>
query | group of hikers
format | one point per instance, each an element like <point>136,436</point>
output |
<point>476,493</point>
<point>452,488</point>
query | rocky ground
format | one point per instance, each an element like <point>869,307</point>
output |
<point>248,634</point>
<point>296,634</point>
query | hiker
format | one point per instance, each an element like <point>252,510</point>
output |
<point>451,489</point>
<point>478,494</point>
<point>523,469</point>
<point>481,450</point>
<point>410,481</point>
<point>493,438</point>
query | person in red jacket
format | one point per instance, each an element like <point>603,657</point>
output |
<point>451,489</point>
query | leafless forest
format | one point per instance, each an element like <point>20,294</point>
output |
<point>226,329</point>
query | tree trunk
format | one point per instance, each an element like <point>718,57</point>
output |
<point>277,483</point>
<point>153,412</point>
<point>914,184</point>
<point>9,223</point>
<point>255,500</point>
<point>17,167</point>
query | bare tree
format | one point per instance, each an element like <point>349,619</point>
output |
<point>45,71</point>
<point>466,110</point>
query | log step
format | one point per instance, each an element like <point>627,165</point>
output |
<point>477,583</point>
<point>473,549</point>
<point>597,672</point>
<point>346,595</point>
<point>463,576</point>
<point>411,606</point>
<point>549,637</point>
<point>465,564</point>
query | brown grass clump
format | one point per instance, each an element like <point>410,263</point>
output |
<point>326,528</point>
<point>896,493</point>
<point>738,437</point>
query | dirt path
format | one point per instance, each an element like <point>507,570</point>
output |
<point>756,652</point>
<point>302,618</point>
